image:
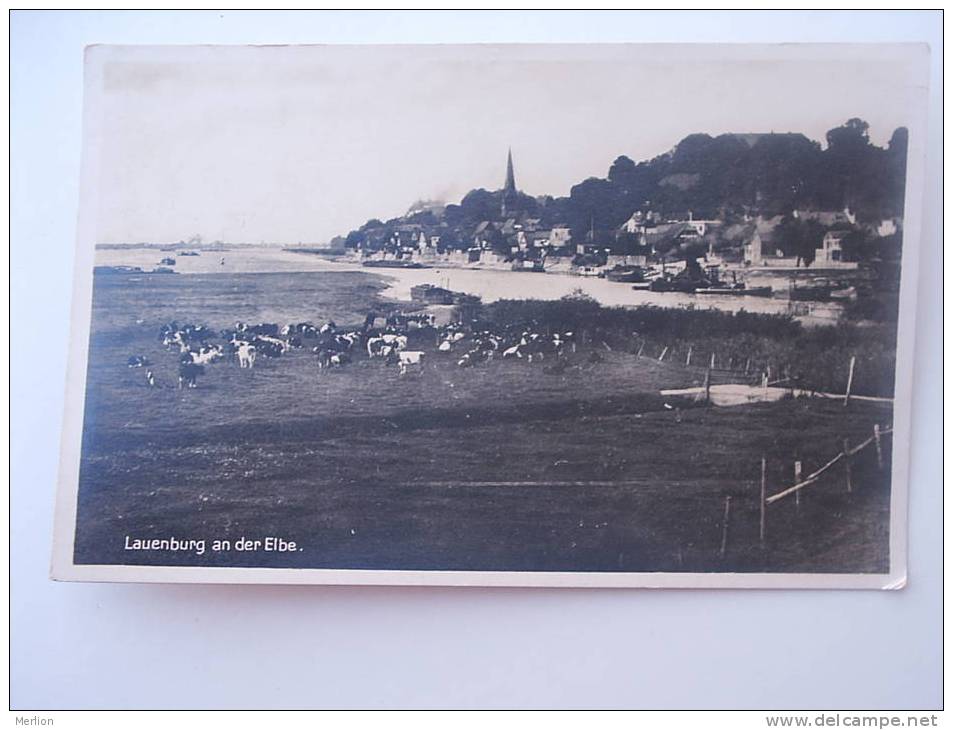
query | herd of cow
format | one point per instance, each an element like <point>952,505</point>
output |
<point>398,344</point>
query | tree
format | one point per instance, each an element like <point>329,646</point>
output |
<point>621,170</point>
<point>798,238</point>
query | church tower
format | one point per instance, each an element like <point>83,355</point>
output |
<point>509,187</point>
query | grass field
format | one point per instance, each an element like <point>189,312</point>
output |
<point>501,466</point>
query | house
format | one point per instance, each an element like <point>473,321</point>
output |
<point>560,236</point>
<point>754,253</point>
<point>887,227</point>
<point>635,224</point>
<point>534,239</point>
<point>831,250</point>
<point>827,218</point>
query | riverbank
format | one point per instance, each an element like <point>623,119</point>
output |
<point>489,284</point>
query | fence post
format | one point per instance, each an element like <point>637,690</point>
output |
<point>712,363</point>
<point>880,454</point>
<point>641,347</point>
<point>747,365</point>
<point>662,356</point>
<point>724,526</point>
<point>850,378</point>
<point>764,489</point>
<point>847,464</point>
<point>688,358</point>
<point>797,480</point>
<point>708,386</point>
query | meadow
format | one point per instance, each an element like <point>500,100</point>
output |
<point>505,466</point>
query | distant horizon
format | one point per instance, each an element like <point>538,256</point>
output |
<point>297,145</point>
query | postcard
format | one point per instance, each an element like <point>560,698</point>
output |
<point>525,315</point>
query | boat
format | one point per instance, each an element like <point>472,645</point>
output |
<point>810,294</point>
<point>625,274</point>
<point>162,270</point>
<point>430,294</point>
<point>683,285</point>
<point>393,264</point>
<point>528,265</point>
<point>737,290</point>
<point>167,261</point>
<point>642,286</point>
<point>188,253</point>
<point>587,271</point>
<point>846,294</point>
<point>117,270</point>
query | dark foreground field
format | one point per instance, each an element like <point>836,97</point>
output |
<point>506,466</point>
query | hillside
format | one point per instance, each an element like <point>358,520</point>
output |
<point>731,178</point>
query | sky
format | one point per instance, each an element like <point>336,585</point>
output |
<point>297,144</point>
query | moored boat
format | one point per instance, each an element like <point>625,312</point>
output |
<point>393,264</point>
<point>625,274</point>
<point>740,290</point>
<point>528,265</point>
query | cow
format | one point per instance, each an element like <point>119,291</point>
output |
<point>378,347</point>
<point>332,359</point>
<point>474,356</point>
<point>301,329</point>
<point>398,342</point>
<point>408,359</point>
<point>188,374</point>
<point>137,361</point>
<point>206,355</point>
<point>246,354</point>
<point>271,346</point>
<point>268,329</point>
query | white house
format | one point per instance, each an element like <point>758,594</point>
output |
<point>831,251</point>
<point>887,227</point>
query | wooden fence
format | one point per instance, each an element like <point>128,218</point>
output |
<point>845,456</point>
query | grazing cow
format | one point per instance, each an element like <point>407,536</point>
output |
<point>302,329</point>
<point>380,347</point>
<point>271,346</point>
<point>408,359</point>
<point>188,374</point>
<point>246,354</point>
<point>474,356</point>
<point>257,329</point>
<point>323,357</point>
<point>398,342</point>
<point>206,355</point>
<point>328,358</point>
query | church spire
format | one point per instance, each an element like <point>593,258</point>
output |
<point>509,187</point>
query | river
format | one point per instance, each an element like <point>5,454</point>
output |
<point>489,284</point>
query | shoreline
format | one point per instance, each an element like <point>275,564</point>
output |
<point>490,284</point>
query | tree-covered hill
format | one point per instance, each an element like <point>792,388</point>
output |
<point>726,177</point>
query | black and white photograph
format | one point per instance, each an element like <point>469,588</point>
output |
<point>583,315</point>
